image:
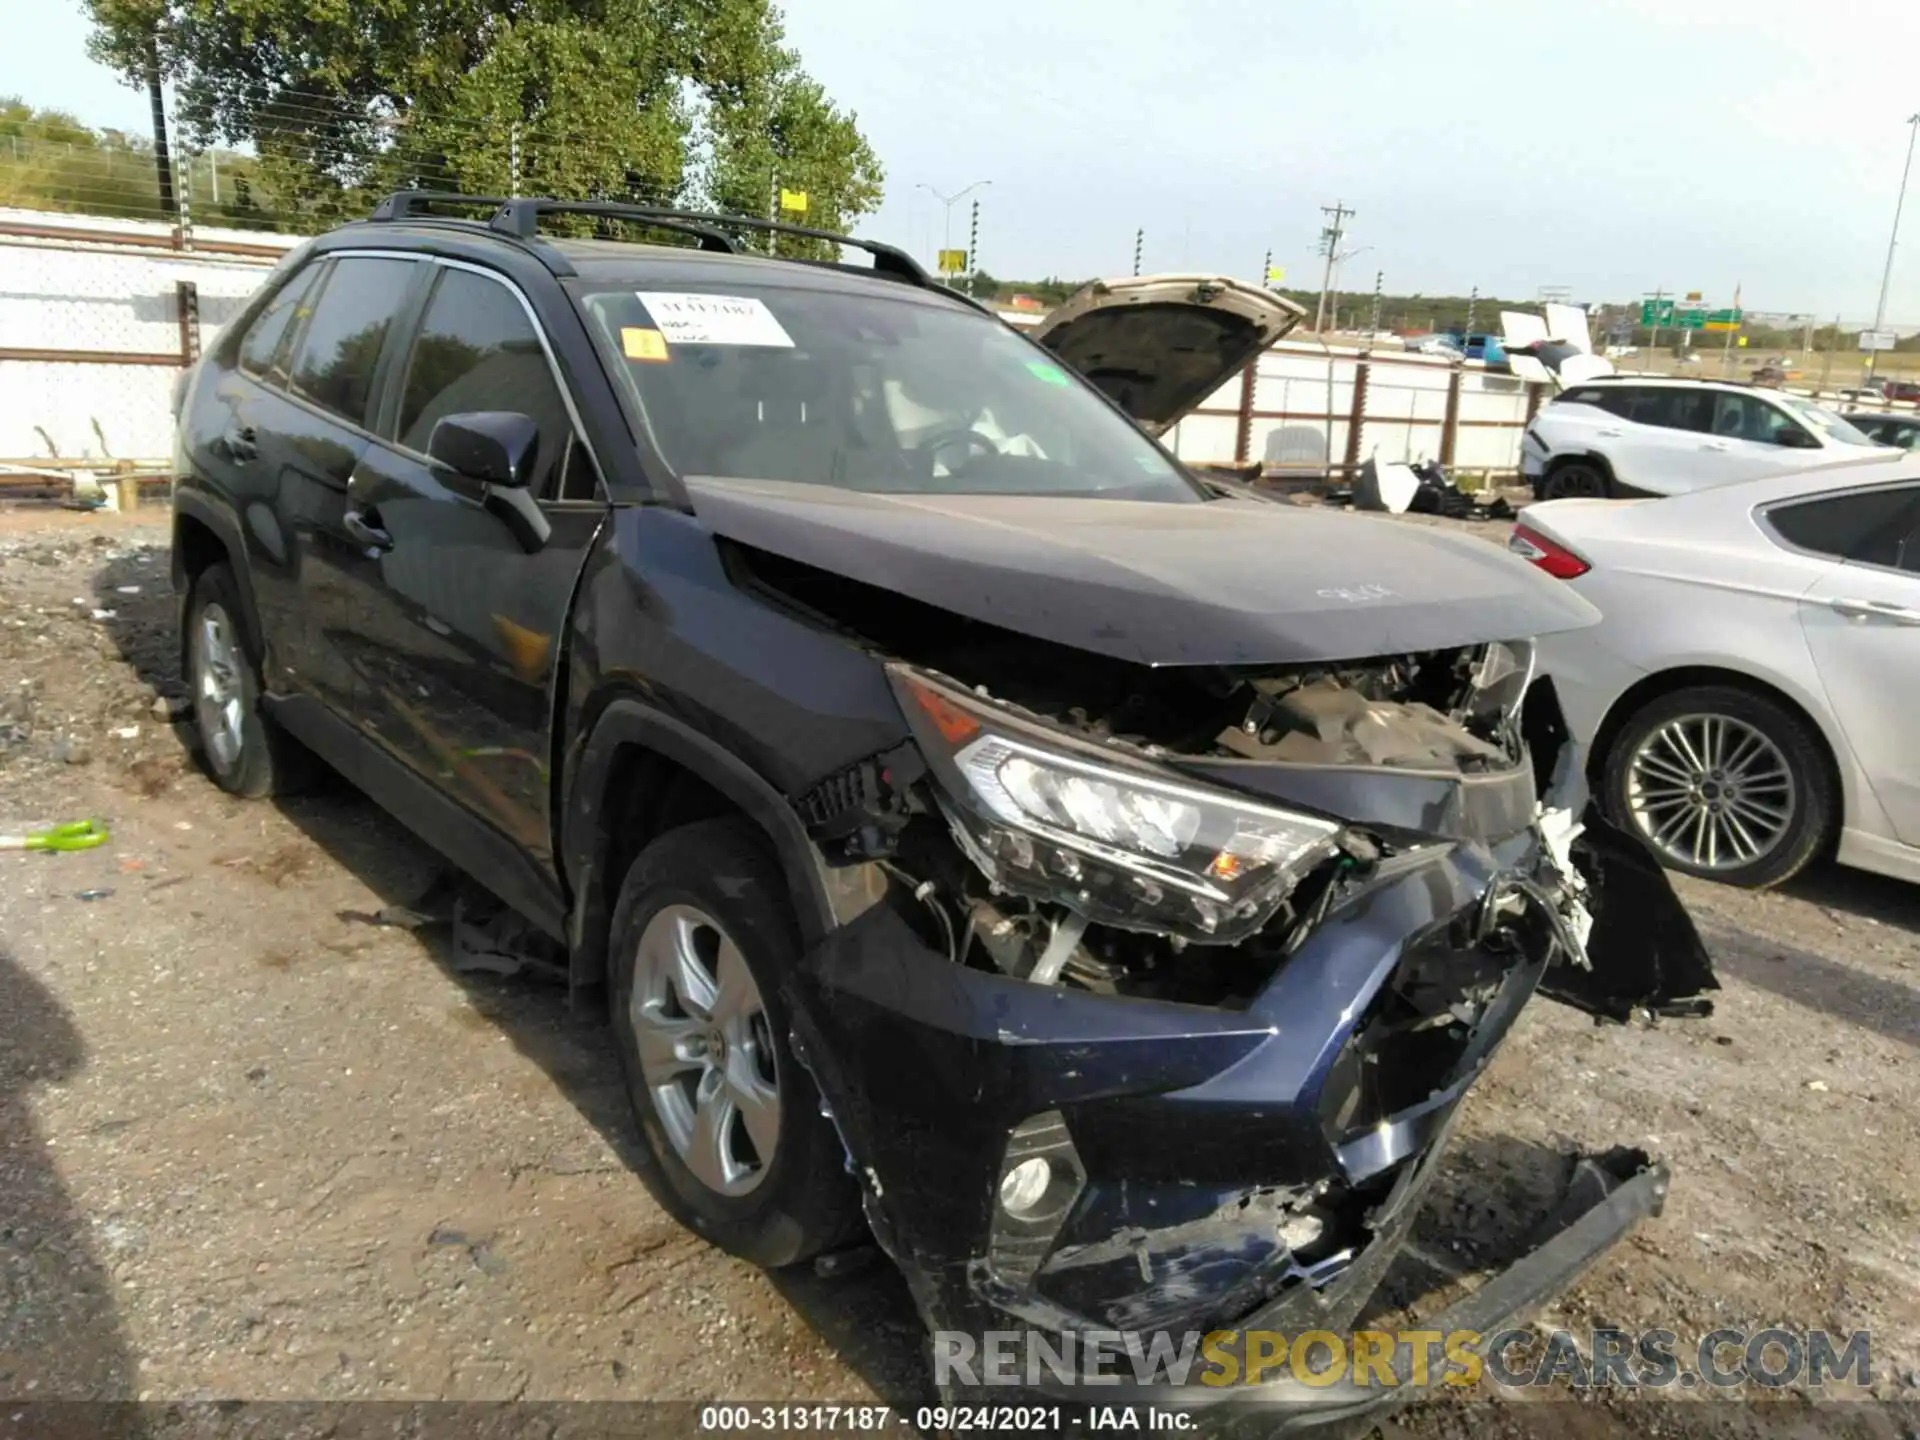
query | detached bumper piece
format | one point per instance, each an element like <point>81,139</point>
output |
<point>1609,1195</point>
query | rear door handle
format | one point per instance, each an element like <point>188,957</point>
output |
<point>1713,445</point>
<point>1875,610</point>
<point>239,441</point>
<point>364,526</point>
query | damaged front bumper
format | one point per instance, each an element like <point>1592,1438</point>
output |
<point>1058,1159</point>
<point>1606,1198</point>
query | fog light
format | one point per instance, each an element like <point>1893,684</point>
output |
<point>1022,1187</point>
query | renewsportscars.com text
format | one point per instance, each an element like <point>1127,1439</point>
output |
<point>1514,1358</point>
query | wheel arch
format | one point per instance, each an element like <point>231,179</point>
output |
<point>639,773</point>
<point>1650,688</point>
<point>204,535</point>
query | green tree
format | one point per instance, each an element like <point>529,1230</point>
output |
<point>50,161</point>
<point>686,101</point>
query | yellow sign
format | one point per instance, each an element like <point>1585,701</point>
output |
<point>639,343</point>
<point>794,201</point>
<point>952,262</point>
<point>1693,294</point>
<point>1276,273</point>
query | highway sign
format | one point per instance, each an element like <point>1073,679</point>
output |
<point>1877,339</point>
<point>952,262</point>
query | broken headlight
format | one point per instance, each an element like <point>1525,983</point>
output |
<point>1122,844</point>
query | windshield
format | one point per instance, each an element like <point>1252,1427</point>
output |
<point>1834,426</point>
<point>824,387</point>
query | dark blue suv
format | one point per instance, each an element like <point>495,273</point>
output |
<point>1098,883</point>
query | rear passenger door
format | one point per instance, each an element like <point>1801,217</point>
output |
<point>457,624</point>
<point>289,425</point>
<point>1656,441</point>
<point>1862,623</point>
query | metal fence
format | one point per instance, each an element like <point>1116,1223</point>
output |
<point>97,316</point>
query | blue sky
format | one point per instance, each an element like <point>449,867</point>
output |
<point>1611,146</point>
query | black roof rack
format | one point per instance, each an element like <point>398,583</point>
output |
<point>521,218</point>
<point>416,204</point>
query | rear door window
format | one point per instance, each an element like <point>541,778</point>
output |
<point>1669,407</point>
<point>263,353</point>
<point>334,366</point>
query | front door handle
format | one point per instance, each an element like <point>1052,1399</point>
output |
<point>239,442</point>
<point>1713,445</point>
<point>1875,610</point>
<point>1609,434</point>
<point>364,526</point>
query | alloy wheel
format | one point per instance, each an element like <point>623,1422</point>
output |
<point>1710,791</point>
<point>218,695</point>
<point>706,1049</point>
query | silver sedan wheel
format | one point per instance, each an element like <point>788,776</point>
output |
<point>219,700</point>
<point>706,1049</point>
<point>1711,792</point>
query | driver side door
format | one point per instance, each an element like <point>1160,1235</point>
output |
<point>459,619</point>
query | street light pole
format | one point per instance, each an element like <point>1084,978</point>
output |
<point>1893,240</point>
<point>949,201</point>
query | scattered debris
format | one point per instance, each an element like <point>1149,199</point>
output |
<point>92,894</point>
<point>1422,489</point>
<point>72,750</point>
<point>1819,1087</point>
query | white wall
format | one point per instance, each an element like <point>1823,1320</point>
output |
<point>104,295</point>
<point>1406,403</point>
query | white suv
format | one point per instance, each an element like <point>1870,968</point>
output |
<point>1637,435</point>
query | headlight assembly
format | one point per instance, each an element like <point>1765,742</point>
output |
<point>1121,844</point>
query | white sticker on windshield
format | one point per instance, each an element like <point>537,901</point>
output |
<point>693,319</point>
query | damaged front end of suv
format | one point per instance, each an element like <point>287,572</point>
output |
<point>1179,976</point>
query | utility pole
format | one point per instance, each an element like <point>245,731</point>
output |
<point>1653,338</point>
<point>1378,276</point>
<point>1266,271</point>
<point>1330,247</point>
<point>1886,275</point>
<point>1139,241</point>
<point>162,157</point>
<point>973,248</point>
<point>1473,300</point>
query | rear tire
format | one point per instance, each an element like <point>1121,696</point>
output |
<point>1723,783</point>
<point>702,947</point>
<point>245,751</point>
<point>1577,480</point>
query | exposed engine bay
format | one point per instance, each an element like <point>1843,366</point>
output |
<point>1081,913</point>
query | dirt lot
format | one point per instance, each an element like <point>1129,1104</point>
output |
<point>253,1145</point>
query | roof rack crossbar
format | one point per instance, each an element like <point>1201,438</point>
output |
<point>521,218</point>
<point>407,204</point>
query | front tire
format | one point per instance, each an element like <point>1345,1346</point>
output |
<point>246,753</point>
<point>1723,783</point>
<point>703,945</point>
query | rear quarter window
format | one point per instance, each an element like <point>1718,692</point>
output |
<point>1865,525</point>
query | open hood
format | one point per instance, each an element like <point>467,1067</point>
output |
<point>1158,345</point>
<point>1220,583</point>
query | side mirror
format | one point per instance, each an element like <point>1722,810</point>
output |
<point>495,447</point>
<point>1794,438</point>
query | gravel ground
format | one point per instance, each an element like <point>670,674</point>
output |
<point>254,1145</point>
